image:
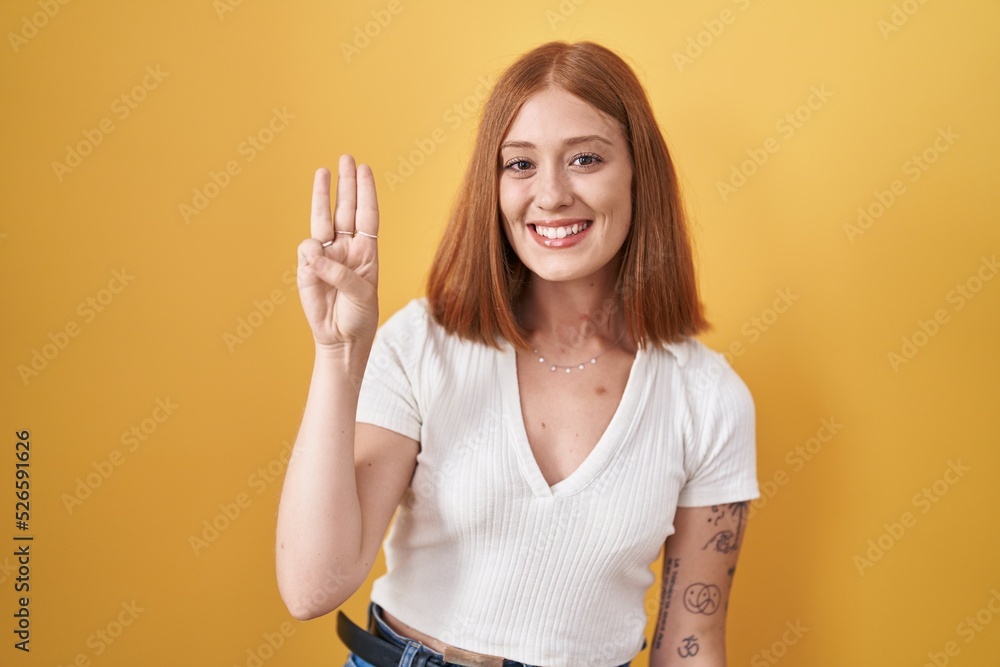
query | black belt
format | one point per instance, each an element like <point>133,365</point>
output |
<point>375,650</point>
<point>381,652</point>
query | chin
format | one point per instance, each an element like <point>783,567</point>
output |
<point>559,274</point>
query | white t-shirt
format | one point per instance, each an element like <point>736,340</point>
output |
<point>485,555</point>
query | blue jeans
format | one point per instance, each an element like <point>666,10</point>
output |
<point>412,648</point>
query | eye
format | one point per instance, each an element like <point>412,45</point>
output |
<point>588,160</point>
<point>518,164</point>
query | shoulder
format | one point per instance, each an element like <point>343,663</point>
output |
<point>412,315</point>
<point>704,375</point>
<point>409,325</point>
<point>414,354</point>
<point>692,357</point>
<point>416,337</point>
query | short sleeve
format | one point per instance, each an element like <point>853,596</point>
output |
<point>721,463</point>
<point>388,395</point>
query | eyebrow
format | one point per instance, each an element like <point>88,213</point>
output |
<point>572,141</point>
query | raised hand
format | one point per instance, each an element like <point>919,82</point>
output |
<point>338,265</point>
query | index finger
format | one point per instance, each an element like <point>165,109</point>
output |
<point>366,219</point>
<point>320,224</point>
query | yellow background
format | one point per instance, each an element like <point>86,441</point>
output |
<point>163,335</point>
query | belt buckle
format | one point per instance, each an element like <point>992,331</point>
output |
<point>469,659</point>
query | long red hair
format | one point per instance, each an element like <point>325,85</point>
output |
<point>473,287</point>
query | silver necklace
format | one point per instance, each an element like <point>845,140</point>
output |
<point>581,366</point>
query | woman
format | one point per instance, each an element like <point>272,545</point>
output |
<point>544,420</point>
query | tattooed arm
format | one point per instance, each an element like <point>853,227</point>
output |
<point>698,564</point>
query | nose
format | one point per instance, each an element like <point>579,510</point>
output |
<point>553,189</point>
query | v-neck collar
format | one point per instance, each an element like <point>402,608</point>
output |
<point>614,436</point>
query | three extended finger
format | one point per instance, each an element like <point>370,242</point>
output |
<point>320,222</point>
<point>366,216</point>
<point>347,194</point>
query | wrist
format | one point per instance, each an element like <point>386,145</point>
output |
<point>348,358</point>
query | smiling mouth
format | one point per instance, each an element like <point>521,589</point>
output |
<point>560,232</point>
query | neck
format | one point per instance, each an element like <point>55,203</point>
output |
<point>580,315</point>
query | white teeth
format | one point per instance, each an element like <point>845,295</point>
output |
<point>561,232</point>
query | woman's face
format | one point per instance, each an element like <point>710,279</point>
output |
<point>565,187</point>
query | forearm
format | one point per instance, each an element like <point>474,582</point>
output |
<point>690,627</point>
<point>319,527</point>
<point>690,646</point>
<point>699,562</point>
